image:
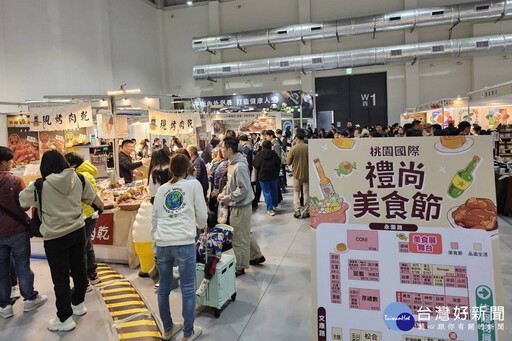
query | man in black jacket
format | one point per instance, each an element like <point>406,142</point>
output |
<point>126,166</point>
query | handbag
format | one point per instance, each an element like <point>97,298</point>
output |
<point>223,214</point>
<point>34,227</point>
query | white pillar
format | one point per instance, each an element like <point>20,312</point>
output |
<point>412,72</point>
<point>214,12</point>
<point>102,22</point>
<point>162,50</point>
<point>3,130</point>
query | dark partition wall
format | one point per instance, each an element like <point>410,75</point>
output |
<point>360,99</point>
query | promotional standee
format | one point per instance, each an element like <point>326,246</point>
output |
<point>406,240</point>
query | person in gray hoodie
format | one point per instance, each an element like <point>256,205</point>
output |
<point>62,227</point>
<point>238,195</point>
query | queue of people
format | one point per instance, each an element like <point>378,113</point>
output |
<point>414,129</point>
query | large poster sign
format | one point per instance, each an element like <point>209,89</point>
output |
<point>53,118</point>
<point>406,238</point>
<point>52,140</point>
<point>24,144</point>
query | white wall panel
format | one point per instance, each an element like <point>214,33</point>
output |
<point>58,47</point>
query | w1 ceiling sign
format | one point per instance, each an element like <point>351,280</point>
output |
<point>284,101</point>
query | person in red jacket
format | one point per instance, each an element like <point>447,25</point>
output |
<point>14,239</point>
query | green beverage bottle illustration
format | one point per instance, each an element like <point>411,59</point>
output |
<point>463,179</point>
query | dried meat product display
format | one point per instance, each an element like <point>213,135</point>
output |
<point>51,142</point>
<point>25,152</point>
<point>114,194</point>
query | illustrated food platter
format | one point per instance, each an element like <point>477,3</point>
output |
<point>453,144</point>
<point>475,213</point>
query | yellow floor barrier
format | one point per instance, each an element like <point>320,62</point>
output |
<point>131,317</point>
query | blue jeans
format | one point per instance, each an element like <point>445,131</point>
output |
<point>19,246</point>
<point>270,190</point>
<point>185,255</point>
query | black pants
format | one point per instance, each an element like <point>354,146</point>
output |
<point>14,276</point>
<point>257,194</point>
<point>90,256</point>
<point>283,167</point>
<point>66,254</point>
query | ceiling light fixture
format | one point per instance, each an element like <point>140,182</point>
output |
<point>123,91</point>
<point>189,3</point>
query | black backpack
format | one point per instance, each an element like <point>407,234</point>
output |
<point>34,227</point>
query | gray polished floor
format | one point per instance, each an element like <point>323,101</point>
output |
<point>273,301</point>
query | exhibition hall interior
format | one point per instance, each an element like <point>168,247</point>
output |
<point>256,170</point>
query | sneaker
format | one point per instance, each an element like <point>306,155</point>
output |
<point>35,303</point>
<point>95,280</point>
<point>176,272</point>
<point>203,287</point>
<point>271,213</point>
<point>257,261</point>
<point>156,286</point>
<point>143,274</point>
<point>305,215</point>
<point>57,325</point>
<point>175,329</point>
<point>15,292</point>
<point>197,332</point>
<point>6,311</point>
<point>296,215</point>
<point>239,272</point>
<point>89,288</point>
<point>274,208</point>
<point>79,309</point>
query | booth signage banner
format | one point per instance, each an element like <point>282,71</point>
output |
<point>104,232</point>
<point>288,101</point>
<point>486,117</point>
<point>63,117</point>
<point>18,121</point>
<point>173,124</point>
<point>406,239</point>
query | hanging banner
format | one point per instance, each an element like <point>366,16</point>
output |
<point>61,117</point>
<point>406,239</point>
<point>173,124</point>
<point>105,126</point>
<point>79,116</point>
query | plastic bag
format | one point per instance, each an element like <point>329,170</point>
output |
<point>222,214</point>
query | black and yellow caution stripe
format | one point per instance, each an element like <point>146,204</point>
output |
<point>130,315</point>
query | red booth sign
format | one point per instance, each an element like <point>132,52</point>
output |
<point>104,232</point>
